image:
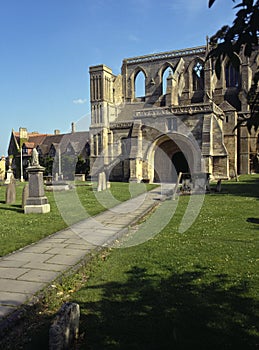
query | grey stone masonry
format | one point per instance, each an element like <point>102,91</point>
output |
<point>10,193</point>
<point>65,328</point>
<point>36,202</point>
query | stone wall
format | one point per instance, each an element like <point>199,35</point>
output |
<point>195,105</point>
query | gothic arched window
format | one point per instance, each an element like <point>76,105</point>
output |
<point>232,76</point>
<point>140,85</point>
<point>166,74</point>
<point>198,77</point>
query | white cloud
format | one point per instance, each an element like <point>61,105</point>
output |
<point>133,37</point>
<point>79,101</point>
<point>192,7</point>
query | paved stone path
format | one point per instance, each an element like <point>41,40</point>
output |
<point>27,271</point>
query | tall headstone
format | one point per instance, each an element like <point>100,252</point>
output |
<point>10,196</point>
<point>102,183</point>
<point>99,183</point>
<point>36,202</point>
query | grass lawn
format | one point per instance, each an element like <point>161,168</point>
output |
<point>18,230</point>
<point>196,290</point>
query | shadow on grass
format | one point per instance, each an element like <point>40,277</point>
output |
<point>183,311</point>
<point>253,220</point>
<point>238,189</point>
<point>14,207</point>
<point>178,312</point>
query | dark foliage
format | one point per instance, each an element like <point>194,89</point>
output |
<point>230,41</point>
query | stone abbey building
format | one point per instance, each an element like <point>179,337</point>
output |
<point>182,122</point>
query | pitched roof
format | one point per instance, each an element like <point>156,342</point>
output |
<point>37,139</point>
<point>226,106</point>
<point>78,141</point>
<point>29,144</point>
<point>34,137</point>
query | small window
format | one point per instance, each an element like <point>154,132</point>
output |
<point>140,82</point>
<point>166,74</point>
<point>198,77</point>
<point>232,76</point>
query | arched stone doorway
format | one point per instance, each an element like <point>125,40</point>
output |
<point>180,163</point>
<point>171,155</point>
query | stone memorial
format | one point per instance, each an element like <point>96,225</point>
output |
<point>65,328</point>
<point>36,202</point>
<point>99,182</point>
<point>9,173</point>
<point>218,186</point>
<point>9,176</point>
<point>102,183</point>
<point>10,195</point>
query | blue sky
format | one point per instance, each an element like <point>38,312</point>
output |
<point>47,47</point>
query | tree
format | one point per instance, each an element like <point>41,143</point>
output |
<point>47,163</point>
<point>229,41</point>
<point>82,165</point>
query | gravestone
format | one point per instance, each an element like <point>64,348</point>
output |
<point>36,202</point>
<point>218,186</point>
<point>10,195</point>
<point>99,182</point>
<point>25,195</point>
<point>102,183</point>
<point>65,327</point>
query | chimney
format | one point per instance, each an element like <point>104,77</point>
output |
<point>73,129</point>
<point>56,132</point>
<point>23,133</point>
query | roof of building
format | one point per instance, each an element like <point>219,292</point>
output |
<point>29,144</point>
<point>77,140</point>
<point>44,142</point>
<point>34,137</point>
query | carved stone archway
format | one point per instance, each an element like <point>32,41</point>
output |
<point>171,154</point>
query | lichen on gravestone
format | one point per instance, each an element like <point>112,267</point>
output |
<point>10,196</point>
<point>65,327</point>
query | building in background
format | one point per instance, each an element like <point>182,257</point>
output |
<point>60,154</point>
<point>149,134</point>
<point>2,168</point>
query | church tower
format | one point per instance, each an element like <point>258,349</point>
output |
<point>101,92</point>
